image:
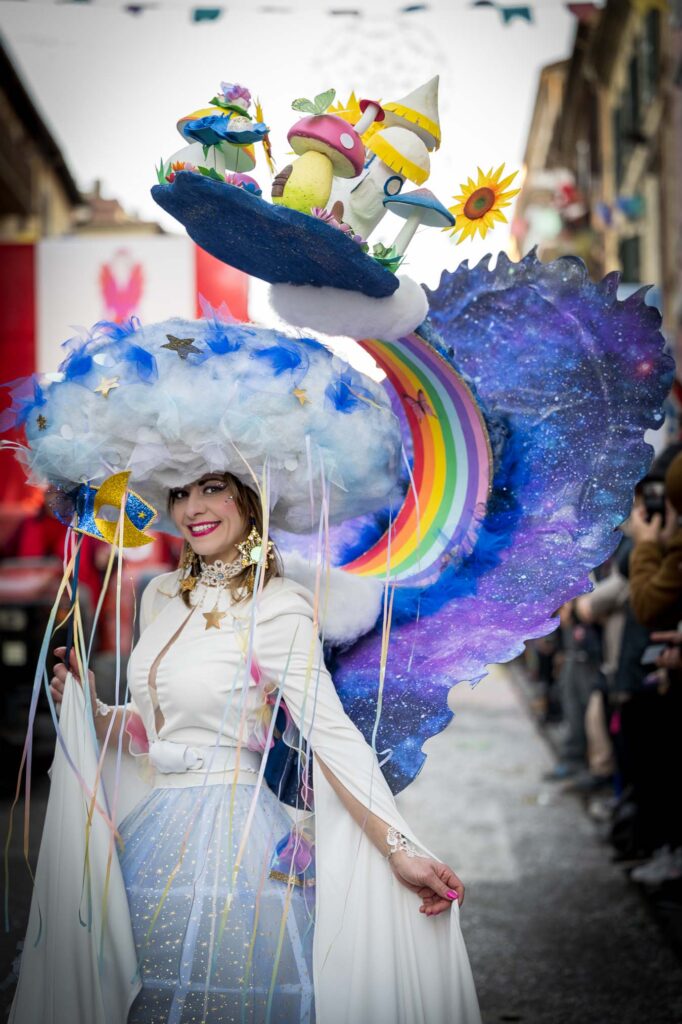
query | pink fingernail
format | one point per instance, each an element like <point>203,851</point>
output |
<point>451,895</point>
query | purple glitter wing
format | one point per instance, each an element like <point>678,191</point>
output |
<point>569,379</point>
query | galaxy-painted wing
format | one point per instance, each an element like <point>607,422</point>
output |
<point>568,379</point>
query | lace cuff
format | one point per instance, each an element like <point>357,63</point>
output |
<point>398,843</point>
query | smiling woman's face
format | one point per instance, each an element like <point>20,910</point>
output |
<point>207,516</point>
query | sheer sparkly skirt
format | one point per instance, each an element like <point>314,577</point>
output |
<point>217,942</point>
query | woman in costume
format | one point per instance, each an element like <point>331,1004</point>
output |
<point>465,499</point>
<point>187,683</point>
<point>225,905</point>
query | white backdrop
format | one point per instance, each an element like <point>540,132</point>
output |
<point>110,277</point>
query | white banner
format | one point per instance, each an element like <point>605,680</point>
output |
<point>80,280</point>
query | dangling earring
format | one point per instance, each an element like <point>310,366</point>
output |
<point>251,551</point>
<point>189,577</point>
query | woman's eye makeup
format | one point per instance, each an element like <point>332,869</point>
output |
<point>207,487</point>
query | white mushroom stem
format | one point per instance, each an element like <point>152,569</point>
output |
<point>371,111</point>
<point>363,197</point>
<point>407,232</point>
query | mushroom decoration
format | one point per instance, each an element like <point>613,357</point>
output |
<point>327,147</point>
<point>417,208</point>
<point>220,158</point>
<point>418,111</point>
<point>370,111</point>
<point>398,154</point>
<point>221,136</point>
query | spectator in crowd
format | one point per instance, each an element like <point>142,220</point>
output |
<point>578,677</point>
<point>652,718</point>
<point>605,606</point>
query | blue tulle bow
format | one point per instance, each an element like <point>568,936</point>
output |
<point>282,358</point>
<point>26,395</point>
<point>345,394</point>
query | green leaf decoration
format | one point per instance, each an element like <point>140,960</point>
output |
<point>161,171</point>
<point>324,100</point>
<point>210,172</point>
<point>387,256</point>
<point>305,106</point>
<point>218,101</point>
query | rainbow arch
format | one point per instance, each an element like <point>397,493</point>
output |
<point>452,466</point>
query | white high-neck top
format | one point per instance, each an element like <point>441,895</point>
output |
<point>204,689</point>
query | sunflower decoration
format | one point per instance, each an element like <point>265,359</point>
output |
<point>479,206</point>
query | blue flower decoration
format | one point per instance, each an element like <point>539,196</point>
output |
<point>214,129</point>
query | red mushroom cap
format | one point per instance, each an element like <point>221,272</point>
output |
<point>380,114</point>
<point>331,135</point>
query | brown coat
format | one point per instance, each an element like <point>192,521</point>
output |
<point>656,583</point>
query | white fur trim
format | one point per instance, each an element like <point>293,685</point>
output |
<point>335,311</point>
<point>349,605</point>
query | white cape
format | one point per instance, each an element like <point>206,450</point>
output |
<point>377,960</point>
<point>78,964</point>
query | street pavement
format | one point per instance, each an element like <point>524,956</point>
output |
<point>556,933</point>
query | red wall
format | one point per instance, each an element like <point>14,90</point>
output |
<point>17,359</point>
<point>217,283</point>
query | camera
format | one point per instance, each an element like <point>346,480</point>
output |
<point>653,494</point>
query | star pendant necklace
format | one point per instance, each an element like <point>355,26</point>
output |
<point>217,575</point>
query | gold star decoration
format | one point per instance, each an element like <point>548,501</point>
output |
<point>214,618</point>
<point>301,394</point>
<point>42,422</point>
<point>106,385</point>
<point>187,584</point>
<point>183,346</point>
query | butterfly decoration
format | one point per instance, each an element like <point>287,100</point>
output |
<point>419,405</point>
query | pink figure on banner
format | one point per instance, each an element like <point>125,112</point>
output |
<point>121,283</point>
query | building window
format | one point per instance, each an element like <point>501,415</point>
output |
<point>629,256</point>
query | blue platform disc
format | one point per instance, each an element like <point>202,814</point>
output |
<point>272,242</point>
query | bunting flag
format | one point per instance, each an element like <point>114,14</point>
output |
<point>206,13</point>
<point>510,14</point>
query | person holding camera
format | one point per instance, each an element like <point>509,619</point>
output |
<point>652,721</point>
<point>656,561</point>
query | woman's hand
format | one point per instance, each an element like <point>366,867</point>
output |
<point>58,680</point>
<point>436,883</point>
